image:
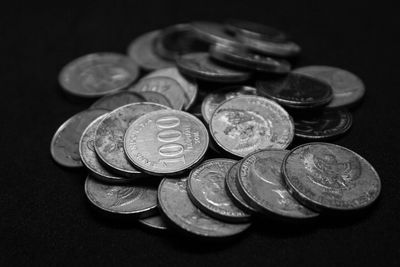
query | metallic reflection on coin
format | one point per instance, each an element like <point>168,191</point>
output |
<point>213,32</point>
<point>206,189</point>
<point>347,87</point>
<point>109,143</point>
<point>116,100</point>
<point>262,185</point>
<point>98,74</point>
<point>179,209</point>
<point>244,124</point>
<point>166,142</point>
<point>155,97</point>
<point>64,147</point>
<point>140,201</point>
<point>154,222</point>
<point>326,176</point>
<point>280,49</point>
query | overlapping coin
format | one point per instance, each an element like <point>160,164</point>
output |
<point>154,222</point>
<point>116,100</point>
<point>155,97</point>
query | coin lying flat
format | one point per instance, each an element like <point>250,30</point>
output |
<point>212,101</point>
<point>140,201</point>
<point>280,49</point>
<point>347,87</point>
<point>213,32</point>
<point>176,205</point>
<point>141,50</point>
<point>327,124</point>
<point>116,100</point>
<point>154,222</point>
<point>245,124</point>
<point>98,74</point>
<point>262,185</point>
<point>64,147</point>
<point>325,176</point>
<point>155,97</point>
<point>166,142</point>
<point>109,143</point>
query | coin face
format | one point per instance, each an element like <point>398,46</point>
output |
<point>199,65</point>
<point>328,176</point>
<point>245,124</point>
<point>280,49</point>
<point>212,101</point>
<point>64,147</point>
<point>109,142</point>
<point>98,74</point>
<point>155,97</point>
<point>213,33</point>
<point>263,187</point>
<point>116,100</point>
<point>179,209</point>
<point>154,222</point>
<point>206,189</point>
<point>166,142</point>
<point>141,50</point>
<point>296,91</point>
<point>326,124</point>
<point>163,85</point>
<point>140,201</point>
<point>347,87</point>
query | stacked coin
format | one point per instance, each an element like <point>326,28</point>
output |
<point>146,143</point>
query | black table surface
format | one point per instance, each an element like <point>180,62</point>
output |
<point>45,216</point>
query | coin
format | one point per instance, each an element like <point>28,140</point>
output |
<point>179,209</point>
<point>188,85</point>
<point>241,57</point>
<point>64,147</point>
<point>163,85</point>
<point>98,74</point>
<point>213,100</point>
<point>347,87</point>
<point>199,65</point>
<point>261,184</point>
<point>245,124</point>
<point>141,50</point>
<point>325,176</point>
<point>135,200</point>
<point>166,142</point>
<point>213,32</point>
<point>323,125</point>
<point>154,222</point>
<point>109,142</point>
<point>279,49</point>
<point>155,97</point>
<point>296,91</point>
<point>116,100</point>
<point>206,189</point>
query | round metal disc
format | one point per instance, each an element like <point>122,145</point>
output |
<point>154,222</point>
<point>213,32</point>
<point>281,49</point>
<point>116,100</point>
<point>155,97</point>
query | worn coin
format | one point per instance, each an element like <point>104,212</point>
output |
<point>280,49</point>
<point>116,100</point>
<point>347,87</point>
<point>166,142</point>
<point>98,74</point>
<point>325,176</point>
<point>64,147</point>
<point>244,124</point>
<point>155,222</point>
<point>136,200</point>
<point>156,97</point>
<point>262,185</point>
<point>213,32</point>
<point>109,143</point>
<point>179,209</point>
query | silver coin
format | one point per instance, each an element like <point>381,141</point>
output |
<point>116,100</point>
<point>280,49</point>
<point>64,147</point>
<point>155,222</point>
<point>178,208</point>
<point>213,32</point>
<point>155,97</point>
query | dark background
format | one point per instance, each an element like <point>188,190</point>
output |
<point>45,217</point>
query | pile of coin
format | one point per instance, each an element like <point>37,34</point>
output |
<point>146,143</point>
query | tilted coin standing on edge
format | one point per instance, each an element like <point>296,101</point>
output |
<point>206,189</point>
<point>179,209</point>
<point>156,97</point>
<point>116,100</point>
<point>325,176</point>
<point>64,146</point>
<point>166,142</point>
<point>95,75</point>
<point>109,143</point>
<point>279,49</point>
<point>213,32</point>
<point>262,185</point>
<point>244,124</point>
<point>154,222</point>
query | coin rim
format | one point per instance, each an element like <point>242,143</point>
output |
<point>101,99</point>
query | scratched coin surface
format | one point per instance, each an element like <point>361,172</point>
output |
<point>199,65</point>
<point>136,200</point>
<point>98,74</point>
<point>154,222</point>
<point>347,87</point>
<point>116,100</point>
<point>213,100</point>
<point>179,209</point>
<point>155,97</point>
<point>64,147</point>
<point>166,142</point>
<point>325,176</point>
<point>109,143</point>
<point>170,88</point>
<point>244,124</point>
<point>262,185</point>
